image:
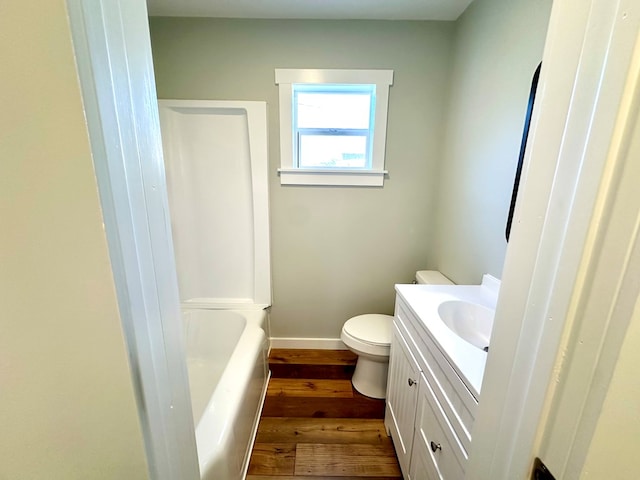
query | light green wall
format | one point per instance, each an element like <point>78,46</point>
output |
<point>336,252</point>
<point>67,406</point>
<point>498,45</point>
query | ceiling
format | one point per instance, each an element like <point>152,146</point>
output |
<point>312,9</point>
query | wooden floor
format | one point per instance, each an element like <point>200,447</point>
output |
<point>314,425</point>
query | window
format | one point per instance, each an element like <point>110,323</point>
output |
<point>333,126</point>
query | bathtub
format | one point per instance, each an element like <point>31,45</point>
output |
<point>228,375</point>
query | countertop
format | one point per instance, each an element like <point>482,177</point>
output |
<point>423,300</point>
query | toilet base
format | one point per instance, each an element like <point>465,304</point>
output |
<point>370,377</point>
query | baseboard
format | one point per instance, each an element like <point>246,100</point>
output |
<point>308,343</point>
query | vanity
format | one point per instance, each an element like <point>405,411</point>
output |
<point>438,354</point>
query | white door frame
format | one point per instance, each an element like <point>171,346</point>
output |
<point>554,266</point>
<point>113,54</point>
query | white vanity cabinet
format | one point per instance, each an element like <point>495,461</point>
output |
<point>430,411</point>
<point>402,397</point>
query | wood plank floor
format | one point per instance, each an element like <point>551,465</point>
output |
<point>315,426</point>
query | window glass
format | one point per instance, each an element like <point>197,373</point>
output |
<point>333,110</point>
<point>333,151</point>
<point>333,127</point>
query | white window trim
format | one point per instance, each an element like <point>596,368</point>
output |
<point>370,177</point>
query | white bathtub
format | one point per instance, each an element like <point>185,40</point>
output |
<point>228,375</point>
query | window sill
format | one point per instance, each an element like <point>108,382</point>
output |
<point>325,176</point>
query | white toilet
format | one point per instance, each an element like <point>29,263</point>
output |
<point>369,337</point>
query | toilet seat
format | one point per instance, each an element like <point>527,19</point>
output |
<point>370,333</point>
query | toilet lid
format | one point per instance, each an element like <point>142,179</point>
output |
<point>372,328</point>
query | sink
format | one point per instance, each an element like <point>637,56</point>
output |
<point>470,321</point>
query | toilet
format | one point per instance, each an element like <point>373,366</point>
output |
<point>369,337</point>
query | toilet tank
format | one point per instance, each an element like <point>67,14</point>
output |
<point>432,277</point>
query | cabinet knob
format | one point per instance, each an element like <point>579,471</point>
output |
<point>435,447</point>
<point>412,382</point>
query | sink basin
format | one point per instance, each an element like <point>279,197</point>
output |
<point>470,321</point>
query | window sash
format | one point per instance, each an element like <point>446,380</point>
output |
<point>365,89</point>
<point>333,132</point>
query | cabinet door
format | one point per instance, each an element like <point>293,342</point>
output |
<point>402,394</point>
<point>437,452</point>
<point>422,467</point>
